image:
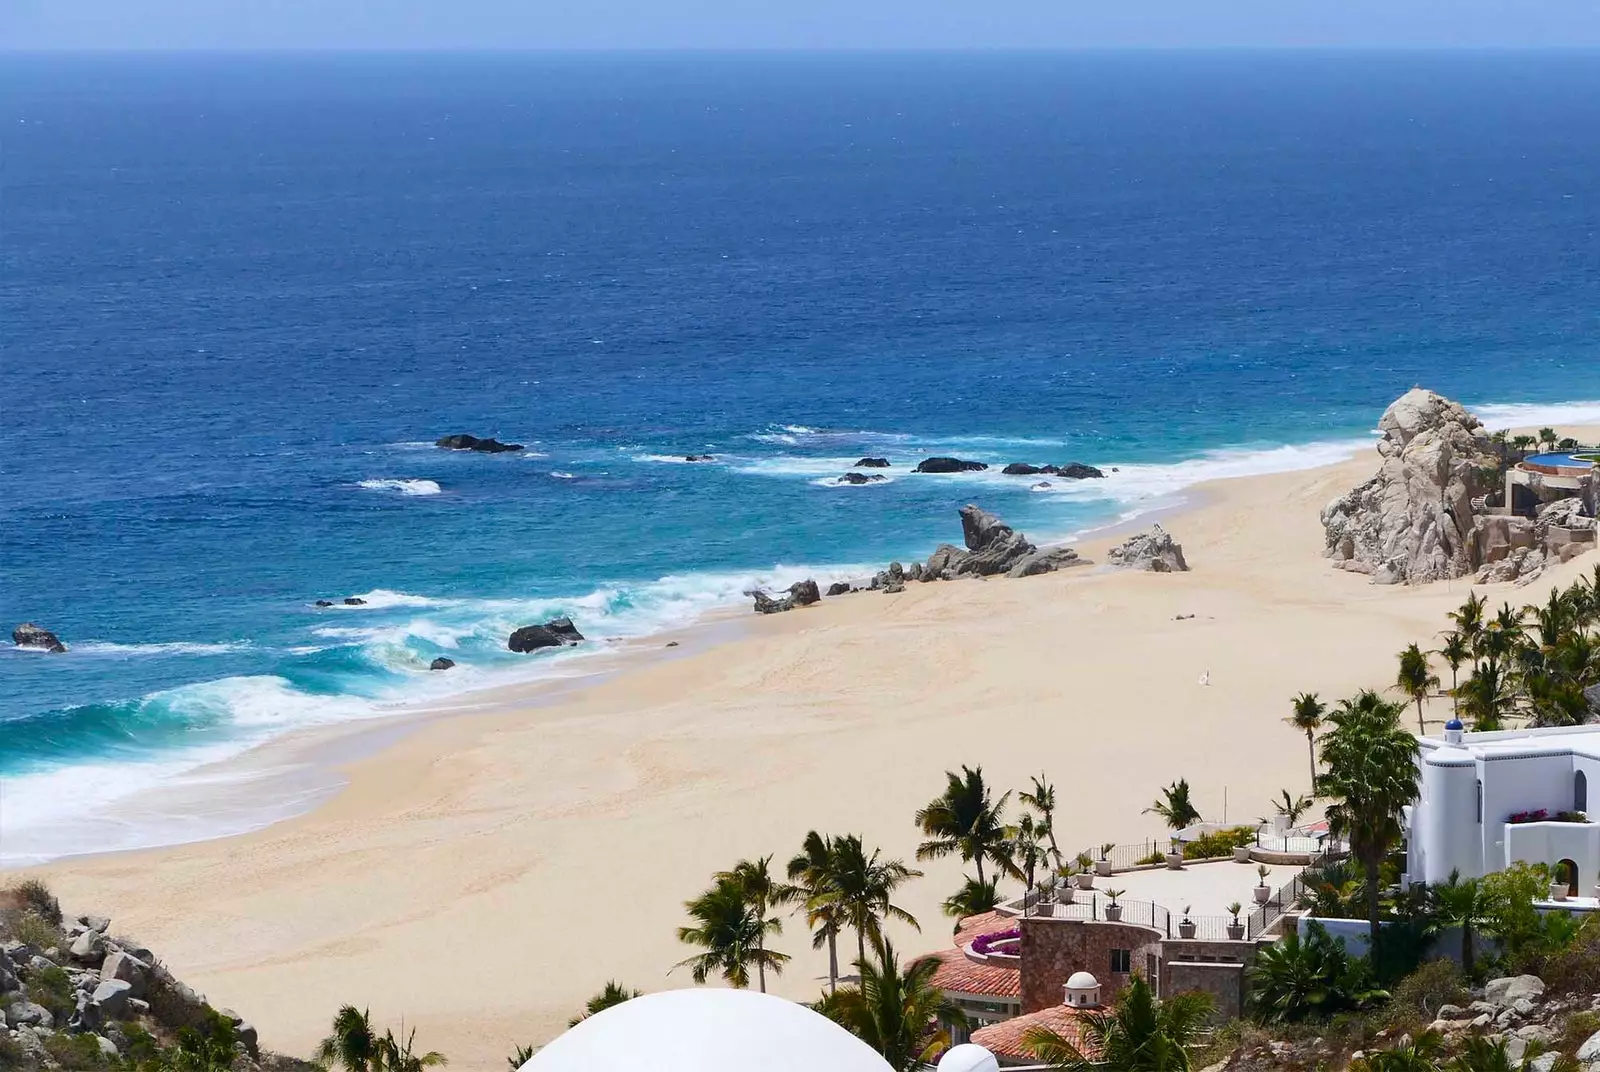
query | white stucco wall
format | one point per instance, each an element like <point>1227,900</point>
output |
<point>1520,782</point>
<point>1445,817</point>
<point>1547,843</point>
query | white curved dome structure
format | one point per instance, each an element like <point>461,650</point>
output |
<point>968,1057</point>
<point>707,1031</point>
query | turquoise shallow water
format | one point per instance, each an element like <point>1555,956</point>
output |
<point>241,297</point>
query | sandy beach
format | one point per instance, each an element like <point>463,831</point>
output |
<point>482,875</point>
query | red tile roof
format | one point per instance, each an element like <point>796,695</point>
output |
<point>1005,1039</point>
<point>984,923</point>
<point>964,976</point>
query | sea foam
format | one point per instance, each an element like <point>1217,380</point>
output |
<point>403,487</point>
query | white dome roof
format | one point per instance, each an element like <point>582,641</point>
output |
<point>968,1057</point>
<point>1082,980</point>
<point>707,1030</point>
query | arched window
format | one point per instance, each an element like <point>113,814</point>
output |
<point>1567,871</point>
<point>1580,792</point>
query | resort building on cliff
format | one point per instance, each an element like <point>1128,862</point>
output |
<point>1490,800</point>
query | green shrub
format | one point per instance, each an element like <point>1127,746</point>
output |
<point>1153,858</point>
<point>1580,1025</point>
<point>36,897</point>
<point>74,1052</point>
<point>1218,843</point>
<point>11,1054</point>
<point>1576,967</point>
<point>35,930</point>
<point>142,1046</point>
<point>52,988</point>
<point>1417,998</point>
<point>1309,978</point>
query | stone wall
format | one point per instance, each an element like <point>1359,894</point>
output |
<point>1052,949</point>
<point>1223,982</point>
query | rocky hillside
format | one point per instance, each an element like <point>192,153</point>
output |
<point>73,995</point>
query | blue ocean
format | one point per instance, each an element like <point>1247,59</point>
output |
<point>241,296</point>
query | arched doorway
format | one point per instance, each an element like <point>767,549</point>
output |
<point>1567,871</point>
<point>1580,792</point>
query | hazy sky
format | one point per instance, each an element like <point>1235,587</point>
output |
<point>588,24</point>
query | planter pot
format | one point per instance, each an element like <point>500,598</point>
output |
<point>1174,860</point>
<point>1558,891</point>
<point>1102,868</point>
<point>1263,894</point>
<point>1241,854</point>
<point>1085,880</point>
<point>1235,932</point>
<point>1186,930</point>
<point>1064,895</point>
<point>1113,912</point>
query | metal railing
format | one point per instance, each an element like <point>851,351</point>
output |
<point>1282,899</point>
<point>1122,857</point>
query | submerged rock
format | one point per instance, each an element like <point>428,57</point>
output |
<point>441,663</point>
<point>949,465</point>
<point>860,478</point>
<point>28,635</point>
<point>699,457</point>
<point>1154,550</point>
<point>469,442</point>
<point>558,632</point>
<point>354,601</point>
<point>324,602</point>
<point>873,463</point>
<point>1024,469</point>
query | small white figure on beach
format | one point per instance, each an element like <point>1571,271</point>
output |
<point>1205,678</point>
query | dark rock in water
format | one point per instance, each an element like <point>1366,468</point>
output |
<point>765,604</point>
<point>558,632</point>
<point>441,663</point>
<point>324,602</point>
<point>804,593</point>
<point>949,465</point>
<point>873,463</point>
<point>861,478</point>
<point>699,457</point>
<point>672,643</point>
<point>1079,471</point>
<point>354,601</point>
<point>482,446</point>
<point>28,635</point>
<point>840,588</point>
<point>1024,469</point>
<point>1043,485</point>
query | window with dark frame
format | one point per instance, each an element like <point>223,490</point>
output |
<point>1121,961</point>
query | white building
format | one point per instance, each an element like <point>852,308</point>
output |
<point>1474,783</point>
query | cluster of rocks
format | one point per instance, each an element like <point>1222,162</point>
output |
<point>799,594</point>
<point>349,601</point>
<point>28,635</point>
<point>470,442</point>
<point>556,633</point>
<point>1518,549</point>
<point>83,982</point>
<point>1153,550</point>
<point>1072,470</point>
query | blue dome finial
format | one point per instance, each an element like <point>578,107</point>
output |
<point>1454,724</point>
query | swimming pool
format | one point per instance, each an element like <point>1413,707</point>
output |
<point>1563,459</point>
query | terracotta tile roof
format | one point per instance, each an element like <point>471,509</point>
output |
<point>964,976</point>
<point>1005,1039</point>
<point>983,923</point>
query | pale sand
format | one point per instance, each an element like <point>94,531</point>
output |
<point>486,873</point>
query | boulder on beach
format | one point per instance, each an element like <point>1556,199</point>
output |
<point>765,604</point>
<point>470,442</point>
<point>556,633</point>
<point>441,663</point>
<point>873,463</point>
<point>1154,550</point>
<point>1047,560</point>
<point>28,635</point>
<point>860,478</point>
<point>949,465</point>
<point>840,588</point>
<point>804,593</point>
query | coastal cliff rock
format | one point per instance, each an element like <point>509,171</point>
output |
<point>949,465</point>
<point>556,633</point>
<point>1409,524</point>
<point>470,442</point>
<point>1154,550</point>
<point>993,547</point>
<point>28,635</point>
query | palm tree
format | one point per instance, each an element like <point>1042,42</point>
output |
<point>1140,1034</point>
<point>896,1012</point>
<point>1467,904</point>
<point>864,885</point>
<point>762,893</point>
<point>963,820</point>
<point>1175,807</point>
<point>523,1054</point>
<point>353,1044</point>
<point>1028,848</point>
<point>1042,799</point>
<point>1416,679</point>
<point>613,993</point>
<point>1307,718</point>
<point>1371,775</point>
<point>972,898</point>
<point>1468,619</point>
<point>812,874</point>
<point>1420,1054</point>
<point>1548,438</point>
<point>1455,652</point>
<point>399,1054</point>
<point>731,934</point>
<point>1291,807</point>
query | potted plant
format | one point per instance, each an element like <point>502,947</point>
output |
<point>1235,928</point>
<point>1085,872</point>
<point>1186,926</point>
<point>1263,892</point>
<point>1174,857</point>
<point>1241,853</point>
<point>1113,909</point>
<point>1102,866</point>
<point>1044,902</point>
<point>1558,885</point>
<point>1064,887</point>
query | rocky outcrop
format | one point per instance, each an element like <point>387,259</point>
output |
<point>469,442</point>
<point>840,588</point>
<point>872,463</point>
<point>28,635</point>
<point>699,457</point>
<point>441,663</point>
<point>1080,471</point>
<point>949,465</point>
<point>804,593</point>
<point>1504,548</point>
<point>765,604</point>
<point>1024,469</point>
<point>1154,550</point>
<point>1070,471</point>
<point>324,602</point>
<point>354,601</point>
<point>1410,523</point>
<point>556,633</point>
<point>861,478</point>
<point>800,594</point>
<point>1048,560</point>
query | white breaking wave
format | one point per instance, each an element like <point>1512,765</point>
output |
<point>404,487</point>
<point>1501,415</point>
<point>841,482</point>
<point>559,475</point>
<point>175,647</point>
<point>674,459</point>
<point>384,598</point>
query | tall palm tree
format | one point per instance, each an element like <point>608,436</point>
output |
<point>1042,799</point>
<point>731,934</point>
<point>353,1045</point>
<point>1455,652</point>
<point>1370,776</point>
<point>1465,903</point>
<point>1139,1034</point>
<point>963,820</point>
<point>613,993</point>
<point>1028,847</point>
<point>400,1055</point>
<point>1307,718</point>
<point>973,898</point>
<point>1416,679</point>
<point>865,884</point>
<point>1174,806</point>
<point>812,874</point>
<point>1548,438</point>
<point>1468,619</point>
<point>898,1013</point>
<point>762,893</point>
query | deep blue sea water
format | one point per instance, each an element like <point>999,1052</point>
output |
<point>239,296</point>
